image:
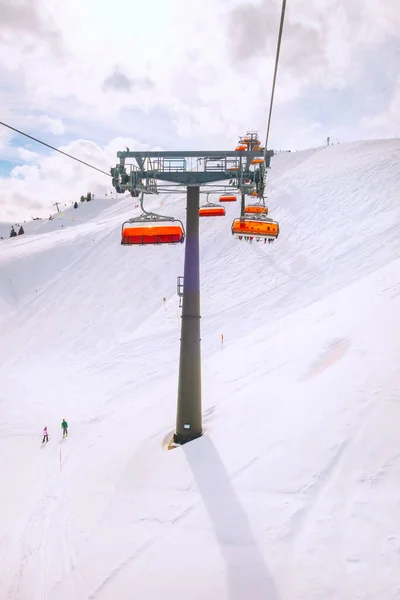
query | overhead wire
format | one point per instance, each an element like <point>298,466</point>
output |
<point>278,49</point>
<point>56,149</point>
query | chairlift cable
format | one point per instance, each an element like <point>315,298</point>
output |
<point>56,149</point>
<point>278,48</point>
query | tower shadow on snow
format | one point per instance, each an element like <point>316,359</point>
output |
<point>247,573</point>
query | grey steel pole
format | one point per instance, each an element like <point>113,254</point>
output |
<point>242,205</point>
<point>189,417</point>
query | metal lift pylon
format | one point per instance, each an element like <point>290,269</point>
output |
<point>189,412</point>
<point>192,170</point>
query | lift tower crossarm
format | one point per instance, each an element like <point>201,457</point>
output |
<point>194,154</point>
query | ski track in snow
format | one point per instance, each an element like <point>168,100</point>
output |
<point>98,593</point>
<point>33,542</point>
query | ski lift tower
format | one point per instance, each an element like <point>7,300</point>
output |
<point>241,171</point>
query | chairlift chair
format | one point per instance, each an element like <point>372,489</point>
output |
<point>211,210</point>
<point>255,229</point>
<point>258,209</point>
<point>151,228</point>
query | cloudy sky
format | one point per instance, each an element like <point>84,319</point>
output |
<point>94,76</point>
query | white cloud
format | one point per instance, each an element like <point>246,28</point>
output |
<point>27,155</point>
<point>5,137</point>
<point>54,126</point>
<point>386,122</point>
<point>190,74</point>
<point>35,187</point>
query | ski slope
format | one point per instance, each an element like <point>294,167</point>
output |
<point>293,491</point>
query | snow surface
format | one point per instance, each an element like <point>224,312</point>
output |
<point>293,492</point>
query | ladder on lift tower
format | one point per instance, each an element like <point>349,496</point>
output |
<point>179,289</point>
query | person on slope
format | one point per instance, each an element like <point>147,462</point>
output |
<point>64,427</point>
<point>45,435</point>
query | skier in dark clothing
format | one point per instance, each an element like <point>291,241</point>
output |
<point>45,435</point>
<point>64,427</point>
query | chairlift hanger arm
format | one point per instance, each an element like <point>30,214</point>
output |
<point>147,216</point>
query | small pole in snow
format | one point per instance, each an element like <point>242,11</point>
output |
<point>222,341</point>
<point>56,204</point>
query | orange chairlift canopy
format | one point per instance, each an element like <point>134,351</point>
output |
<point>253,228</point>
<point>211,211</point>
<point>156,232</point>
<point>256,209</point>
<point>227,198</point>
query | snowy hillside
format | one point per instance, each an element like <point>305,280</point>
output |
<point>293,491</point>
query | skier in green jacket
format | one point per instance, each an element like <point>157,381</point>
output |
<point>64,427</point>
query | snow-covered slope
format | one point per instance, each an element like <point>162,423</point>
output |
<point>66,217</point>
<point>293,491</point>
